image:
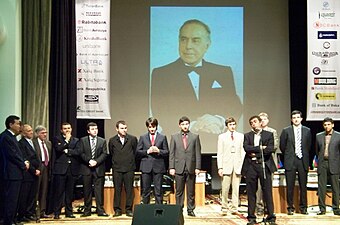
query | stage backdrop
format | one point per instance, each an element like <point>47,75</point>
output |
<point>250,37</point>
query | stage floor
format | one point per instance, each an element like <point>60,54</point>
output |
<point>209,214</point>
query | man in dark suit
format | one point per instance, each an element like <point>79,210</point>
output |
<point>207,88</point>
<point>185,163</point>
<point>295,144</point>
<point>44,152</point>
<point>328,151</point>
<point>259,165</point>
<point>65,169</point>
<point>93,151</point>
<point>122,148</point>
<point>153,150</point>
<point>29,187</point>
<point>13,165</point>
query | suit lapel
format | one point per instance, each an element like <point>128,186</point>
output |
<point>291,130</point>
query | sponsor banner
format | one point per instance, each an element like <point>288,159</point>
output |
<point>93,59</point>
<point>323,25</point>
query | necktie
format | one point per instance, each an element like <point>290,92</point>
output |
<point>298,151</point>
<point>45,153</point>
<point>93,147</point>
<point>185,141</point>
<point>232,136</point>
<point>152,139</point>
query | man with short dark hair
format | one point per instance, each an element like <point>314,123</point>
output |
<point>185,163</point>
<point>259,165</point>
<point>153,150</point>
<point>65,169</point>
<point>328,151</point>
<point>12,167</point>
<point>295,144</point>
<point>122,148</point>
<point>93,152</point>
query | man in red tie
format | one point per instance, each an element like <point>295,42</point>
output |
<point>153,150</point>
<point>185,163</point>
<point>43,148</point>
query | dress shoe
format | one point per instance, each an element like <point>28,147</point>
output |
<point>191,213</point>
<point>85,215</point>
<point>31,218</point>
<point>129,214</point>
<point>56,217</point>
<point>117,213</point>
<point>304,211</point>
<point>336,212</point>
<point>45,216</point>
<point>251,222</point>
<point>290,212</point>
<point>321,213</point>
<point>70,216</point>
<point>103,214</point>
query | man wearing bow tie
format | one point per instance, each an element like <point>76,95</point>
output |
<point>123,151</point>
<point>207,88</point>
<point>259,165</point>
<point>153,150</point>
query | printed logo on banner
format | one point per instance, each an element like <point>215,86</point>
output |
<point>325,96</point>
<point>327,15</point>
<point>325,5</point>
<point>91,99</point>
<point>324,62</point>
<point>316,70</point>
<point>326,45</point>
<point>324,54</point>
<point>327,34</point>
<point>325,81</point>
<point>319,24</point>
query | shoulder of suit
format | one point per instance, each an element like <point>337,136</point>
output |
<point>320,133</point>
<point>215,66</point>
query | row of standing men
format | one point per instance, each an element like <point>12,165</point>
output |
<point>28,165</point>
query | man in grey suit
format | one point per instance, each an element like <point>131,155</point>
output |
<point>44,152</point>
<point>93,151</point>
<point>153,150</point>
<point>328,151</point>
<point>185,163</point>
<point>295,144</point>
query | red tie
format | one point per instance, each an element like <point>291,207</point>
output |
<point>232,136</point>
<point>45,153</point>
<point>185,141</point>
<point>152,139</point>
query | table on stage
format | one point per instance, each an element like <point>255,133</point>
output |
<point>279,191</point>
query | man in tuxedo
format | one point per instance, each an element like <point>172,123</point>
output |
<point>259,165</point>
<point>185,163</point>
<point>65,169</point>
<point>207,88</point>
<point>123,148</point>
<point>43,148</point>
<point>29,187</point>
<point>13,165</point>
<point>328,151</point>
<point>153,150</point>
<point>295,144</point>
<point>230,156</point>
<point>93,152</point>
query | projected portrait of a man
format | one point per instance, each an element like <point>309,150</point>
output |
<point>192,86</point>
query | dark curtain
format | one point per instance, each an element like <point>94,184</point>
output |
<point>63,95</point>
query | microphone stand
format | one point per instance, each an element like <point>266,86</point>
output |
<point>263,186</point>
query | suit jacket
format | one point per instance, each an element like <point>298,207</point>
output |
<point>29,154</point>
<point>171,89</point>
<point>153,162</point>
<point>63,160</point>
<point>12,161</point>
<point>333,151</point>
<point>267,139</point>
<point>38,150</point>
<point>287,146</point>
<point>181,158</point>
<point>123,156</point>
<point>86,155</point>
<point>227,160</point>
